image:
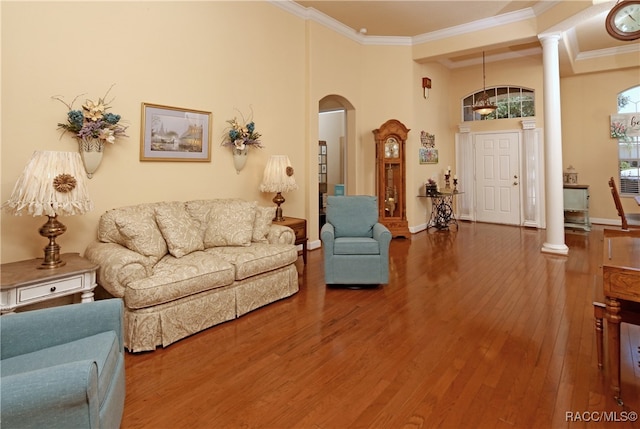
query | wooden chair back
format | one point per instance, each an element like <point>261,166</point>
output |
<point>618,203</point>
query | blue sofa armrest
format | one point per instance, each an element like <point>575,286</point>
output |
<point>62,395</point>
<point>327,233</point>
<point>383,236</point>
<point>30,331</point>
<point>327,236</point>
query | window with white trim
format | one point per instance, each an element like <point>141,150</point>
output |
<point>629,147</point>
<point>511,102</point>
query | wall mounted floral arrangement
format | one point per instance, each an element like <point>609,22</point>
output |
<point>92,127</point>
<point>240,136</point>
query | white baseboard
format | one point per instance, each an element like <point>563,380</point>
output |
<point>315,244</point>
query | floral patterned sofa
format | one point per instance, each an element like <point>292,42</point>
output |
<point>182,267</point>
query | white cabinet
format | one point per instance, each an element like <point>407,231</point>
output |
<point>576,207</point>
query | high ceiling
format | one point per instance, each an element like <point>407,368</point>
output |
<point>412,18</point>
<point>584,34</point>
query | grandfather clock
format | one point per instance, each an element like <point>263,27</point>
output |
<point>391,177</point>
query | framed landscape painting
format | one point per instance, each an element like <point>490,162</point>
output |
<point>175,134</point>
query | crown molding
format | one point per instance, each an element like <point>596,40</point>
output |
<point>291,7</point>
<point>474,26</point>
<point>491,58</point>
<point>387,40</point>
<point>608,52</point>
<point>481,24</point>
<point>563,31</point>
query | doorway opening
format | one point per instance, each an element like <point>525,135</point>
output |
<point>336,174</point>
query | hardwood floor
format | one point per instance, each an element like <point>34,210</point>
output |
<point>476,329</point>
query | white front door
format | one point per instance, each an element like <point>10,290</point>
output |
<point>497,178</point>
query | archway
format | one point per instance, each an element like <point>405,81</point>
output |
<point>336,127</point>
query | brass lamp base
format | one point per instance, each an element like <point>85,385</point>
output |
<point>51,229</point>
<point>278,199</point>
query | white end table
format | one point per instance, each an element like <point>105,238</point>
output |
<point>23,283</point>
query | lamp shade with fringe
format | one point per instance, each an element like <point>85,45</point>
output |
<point>53,183</point>
<point>278,177</point>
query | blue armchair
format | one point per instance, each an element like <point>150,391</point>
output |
<point>63,367</point>
<point>356,246</point>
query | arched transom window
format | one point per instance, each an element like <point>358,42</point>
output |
<point>512,102</point>
<point>629,146</point>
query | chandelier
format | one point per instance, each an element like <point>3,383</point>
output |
<point>483,104</point>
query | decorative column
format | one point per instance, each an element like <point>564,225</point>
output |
<point>553,146</point>
<point>464,170</point>
<point>531,179</point>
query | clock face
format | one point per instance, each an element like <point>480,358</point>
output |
<point>623,22</point>
<point>391,148</point>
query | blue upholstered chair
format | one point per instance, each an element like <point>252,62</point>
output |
<point>63,367</point>
<point>356,246</point>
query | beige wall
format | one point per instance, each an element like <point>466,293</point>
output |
<point>221,56</point>
<point>212,56</point>
<point>587,102</point>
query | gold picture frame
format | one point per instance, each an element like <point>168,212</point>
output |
<point>175,134</point>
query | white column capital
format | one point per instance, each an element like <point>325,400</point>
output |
<point>550,37</point>
<point>464,128</point>
<point>529,124</point>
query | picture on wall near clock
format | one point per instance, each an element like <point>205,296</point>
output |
<point>428,155</point>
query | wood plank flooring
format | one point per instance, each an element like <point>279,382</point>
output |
<point>476,329</point>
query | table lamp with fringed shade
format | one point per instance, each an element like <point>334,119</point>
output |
<point>278,177</point>
<point>52,184</point>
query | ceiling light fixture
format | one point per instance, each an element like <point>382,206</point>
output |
<point>483,104</point>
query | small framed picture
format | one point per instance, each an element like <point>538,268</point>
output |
<point>174,134</point>
<point>323,168</point>
<point>428,155</point>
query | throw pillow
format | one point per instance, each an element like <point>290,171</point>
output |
<point>181,232</point>
<point>262,223</point>
<point>140,233</point>
<point>230,223</point>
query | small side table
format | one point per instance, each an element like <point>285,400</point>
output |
<point>442,213</point>
<point>23,283</point>
<point>299,227</point>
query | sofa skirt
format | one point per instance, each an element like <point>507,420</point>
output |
<point>164,324</point>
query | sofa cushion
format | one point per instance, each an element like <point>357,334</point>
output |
<point>262,223</point>
<point>179,229</point>
<point>229,223</point>
<point>135,228</point>
<point>352,216</point>
<point>102,348</point>
<point>257,258</point>
<point>175,278</point>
